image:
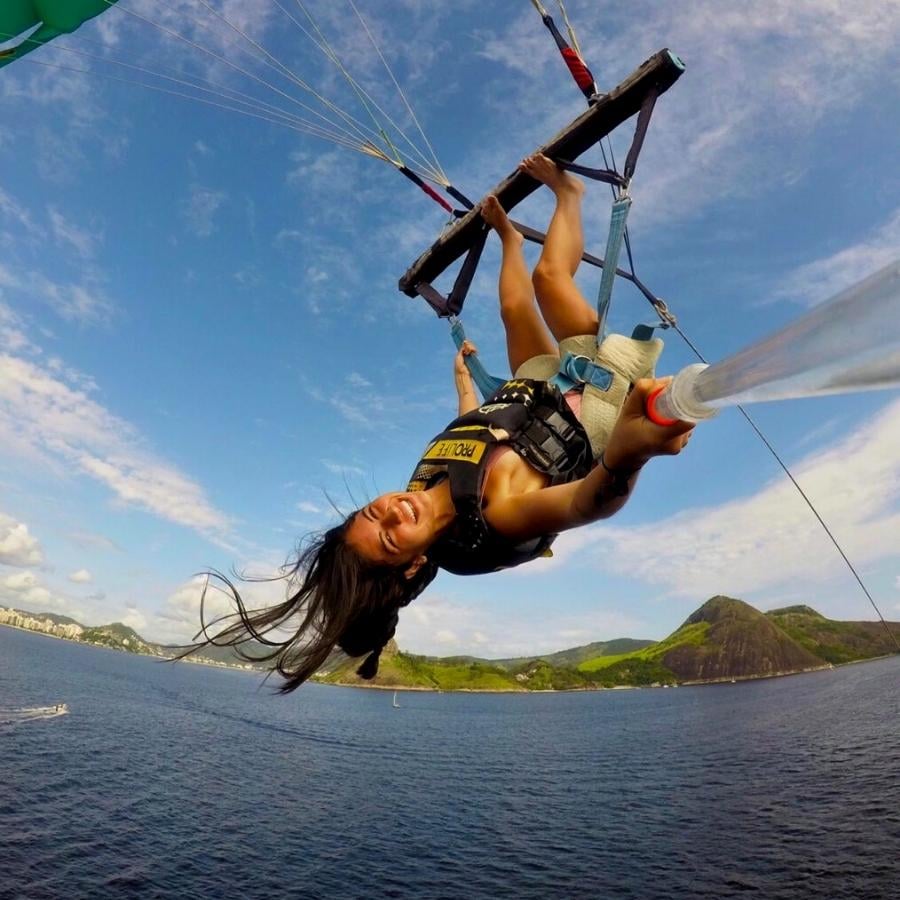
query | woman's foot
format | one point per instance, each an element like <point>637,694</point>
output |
<point>494,214</point>
<point>543,169</point>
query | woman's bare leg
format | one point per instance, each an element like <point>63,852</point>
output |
<point>562,304</point>
<point>526,335</point>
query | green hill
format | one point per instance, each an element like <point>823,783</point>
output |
<point>727,638</point>
<point>119,637</point>
<point>836,642</point>
<point>724,639</point>
<point>403,670</point>
<point>570,658</point>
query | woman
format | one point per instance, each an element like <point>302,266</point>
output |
<point>496,487</point>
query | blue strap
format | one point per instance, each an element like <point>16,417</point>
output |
<point>487,383</point>
<point>617,222</point>
<point>578,370</point>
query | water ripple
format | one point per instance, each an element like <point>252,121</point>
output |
<point>179,781</point>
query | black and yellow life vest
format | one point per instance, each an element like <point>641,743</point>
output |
<point>534,420</point>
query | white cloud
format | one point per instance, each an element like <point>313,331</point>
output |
<point>66,232</point>
<point>19,215</point>
<point>24,590</point>
<point>822,278</point>
<point>755,72</point>
<point>437,626</point>
<point>81,576</point>
<point>342,468</point>
<point>769,540</point>
<point>288,234</point>
<point>51,421</point>
<point>12,333</point>
<point>87,540</point>
<point>354,379</point>
<point>20,581</point>
<point>306,506</point>
<point>84,302</point>
<point>135,619</point>
<point>179,620</point>
<point>201,208</point>
<point>17,546</point>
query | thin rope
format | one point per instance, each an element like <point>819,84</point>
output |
<point>364,97</point>
<point>362,142</point>
<point>406,102</point>
<point>326,48</point>
<point>354,125</point>
<point>803,494</point>
<point>314,130</point>
<point>759,433</point>
<point>570,29</point>
<point>196,83</point>
<point>285,120</point>
<point>273,62</point>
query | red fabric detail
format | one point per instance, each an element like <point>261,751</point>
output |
<point>580,72</point>
<point>437,197</point>
<point>650,409</point>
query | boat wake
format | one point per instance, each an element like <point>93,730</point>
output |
<point>13,716</point>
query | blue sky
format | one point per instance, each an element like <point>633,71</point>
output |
<point>201,339</point>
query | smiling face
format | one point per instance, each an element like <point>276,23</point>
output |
<point>394,529</point>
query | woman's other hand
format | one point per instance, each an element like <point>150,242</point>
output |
<point>467,349</point>
<point>635,439</point>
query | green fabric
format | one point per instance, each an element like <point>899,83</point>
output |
<point>51,18</point>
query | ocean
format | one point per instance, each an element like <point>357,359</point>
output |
<point>182,781</point>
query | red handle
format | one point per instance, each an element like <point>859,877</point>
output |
<point>650,408</point>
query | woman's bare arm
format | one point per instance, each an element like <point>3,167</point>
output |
<point>465,387</point>
<point>602,493</point>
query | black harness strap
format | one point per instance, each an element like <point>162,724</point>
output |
<point>452,305</point>
<point>606,175</point>
<point>459,195</point>
<point>640,132</point>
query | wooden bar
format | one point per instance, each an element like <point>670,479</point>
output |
<point>661,71</point>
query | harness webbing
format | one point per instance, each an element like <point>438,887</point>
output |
<point>486,382</point>
<point>617,221</point>
<point>640,132</point>
<point>452,304</point>
<point>609,176</point>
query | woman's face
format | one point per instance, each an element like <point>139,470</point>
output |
<point>394,529</point>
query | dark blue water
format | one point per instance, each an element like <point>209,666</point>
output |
<point>184,781</point>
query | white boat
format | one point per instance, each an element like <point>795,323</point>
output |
<point>396,705</point>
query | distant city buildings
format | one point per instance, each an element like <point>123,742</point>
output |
<point>45,625</point>
<point>110,637</point>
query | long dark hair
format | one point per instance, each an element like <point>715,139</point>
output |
<point>343,601</point>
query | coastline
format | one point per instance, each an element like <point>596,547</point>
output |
<point>211,663</point>
<point>195,661</point>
